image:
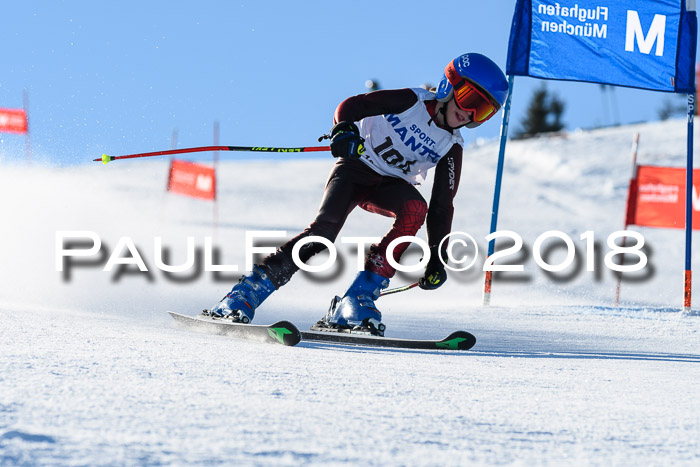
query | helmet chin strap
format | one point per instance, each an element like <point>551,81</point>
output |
<point>443,111</point>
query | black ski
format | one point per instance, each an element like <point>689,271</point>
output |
<point>282,332</point>
<point>458,340</point>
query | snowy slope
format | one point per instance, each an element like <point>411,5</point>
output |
<point>93,371</point>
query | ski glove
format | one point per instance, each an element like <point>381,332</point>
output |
<point>346,141</point>
<point>435,274</point>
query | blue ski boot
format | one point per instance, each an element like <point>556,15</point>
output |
<point>240,303</point>
<point>356,311</point>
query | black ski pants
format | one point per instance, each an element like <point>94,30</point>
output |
<point>352,183</point>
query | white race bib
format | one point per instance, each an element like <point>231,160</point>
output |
<point>404,145</point>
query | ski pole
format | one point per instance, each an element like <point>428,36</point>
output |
<point>398,289</point>
<point>105,158</point>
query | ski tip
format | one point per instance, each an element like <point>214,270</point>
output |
<point>285,332</point>
<point>458,340</point>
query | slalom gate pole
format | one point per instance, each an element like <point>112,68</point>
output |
<point>215,154</point>
<point>488,279</point>
<point>105,158</point>
<point>687,283</point>
<point>630,193</point>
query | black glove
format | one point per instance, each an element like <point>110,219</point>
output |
<point>435,274</point>
<point>346,141</point>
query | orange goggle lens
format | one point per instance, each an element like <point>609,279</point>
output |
<point>470,98</point>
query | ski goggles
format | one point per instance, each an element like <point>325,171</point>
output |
<point>470,98</point>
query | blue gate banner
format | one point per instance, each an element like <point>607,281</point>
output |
<point>648,44</point>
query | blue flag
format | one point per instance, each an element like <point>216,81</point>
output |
<point>648,44</point>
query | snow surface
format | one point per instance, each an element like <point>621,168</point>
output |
<point>94,372</point>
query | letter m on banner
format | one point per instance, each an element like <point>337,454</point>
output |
<point>656,35</point>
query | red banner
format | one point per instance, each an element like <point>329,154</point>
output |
<point>190,179</point>
<point>13,121</point>
<point>657,198</point>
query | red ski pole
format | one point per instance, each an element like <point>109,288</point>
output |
<point>105,158</point>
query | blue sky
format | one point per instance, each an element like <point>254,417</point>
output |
<point>119,77</point>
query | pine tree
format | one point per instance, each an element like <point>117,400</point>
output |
<point>544,114</point>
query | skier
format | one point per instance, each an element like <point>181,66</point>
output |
<point>385,142</point>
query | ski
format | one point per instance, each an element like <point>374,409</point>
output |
<point>458,340</point>
<point>282,332</point>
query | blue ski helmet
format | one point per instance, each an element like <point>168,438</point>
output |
<point>477,70</point>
